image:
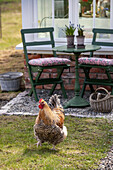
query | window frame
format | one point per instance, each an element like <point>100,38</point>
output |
<point>30,16</point>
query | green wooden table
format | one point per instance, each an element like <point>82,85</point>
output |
<point>76,101</point>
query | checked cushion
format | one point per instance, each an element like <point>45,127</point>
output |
<point>49,61</point>
<point>96,61</point>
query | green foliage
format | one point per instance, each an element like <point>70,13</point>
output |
<point>80,30</point>
<point>8,1</point>
<point>87,142</point>
<point>69,30</point>
<point>86,3</point>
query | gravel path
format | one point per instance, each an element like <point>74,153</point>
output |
<point>107,162</point>
<point>3,102</point>
<point>23,104</point>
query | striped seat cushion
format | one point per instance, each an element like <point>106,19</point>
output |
<point>96,61</point>
<point>49,61</point>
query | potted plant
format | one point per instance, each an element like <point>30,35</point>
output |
<point>80,37</point>
<point>69,31</point>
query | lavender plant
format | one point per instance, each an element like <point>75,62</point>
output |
<point>69,30</point>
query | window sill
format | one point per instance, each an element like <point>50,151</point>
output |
<point>48,50</point>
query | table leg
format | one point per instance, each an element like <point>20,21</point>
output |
<point>76,101</point>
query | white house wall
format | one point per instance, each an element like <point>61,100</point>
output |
<point>27,15</point>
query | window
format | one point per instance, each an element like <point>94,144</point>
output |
<point>58,13</point>
<point>94,13</point>
<point>44,13</point>
<point>53,13</point>
<point>60,17</point>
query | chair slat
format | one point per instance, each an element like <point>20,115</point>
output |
<point>102,43</point>
<point>104,31</point>
<point>38,43</point>
<point>37,30</point>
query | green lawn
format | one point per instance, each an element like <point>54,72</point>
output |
<point>88,139</point>
<point>87,142</point>
<point>11,20</point>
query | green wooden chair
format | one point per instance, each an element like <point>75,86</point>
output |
<point>93,62</point>
<point>38,65</point>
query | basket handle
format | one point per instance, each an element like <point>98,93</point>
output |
<point>102,88</point>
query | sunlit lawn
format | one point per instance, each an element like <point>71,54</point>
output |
<point>11,20</point>
<point>87,142</point>
<point>10,59</point>
<point>88,139</point>
<point>11,25</point>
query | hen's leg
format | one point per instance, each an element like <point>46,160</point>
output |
<point>53,148</point>
<point>39,143</point>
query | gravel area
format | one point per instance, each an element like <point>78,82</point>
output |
<point>3,102</point>
<point>24,104</point>
<point>107,162</point>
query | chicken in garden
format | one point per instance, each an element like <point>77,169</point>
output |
<point>49,125</point>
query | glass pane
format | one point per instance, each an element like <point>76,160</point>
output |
<point>44,14</point>
<point>86,16</point>
<point>106,37</point>
<point>102,14</point>
<point>61,17</point>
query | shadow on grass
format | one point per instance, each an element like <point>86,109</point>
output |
<point>44,150</point>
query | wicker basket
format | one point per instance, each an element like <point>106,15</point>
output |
<point>101,100</point>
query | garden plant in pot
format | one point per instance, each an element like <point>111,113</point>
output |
<point>80,37</point>
<point>69,31</point>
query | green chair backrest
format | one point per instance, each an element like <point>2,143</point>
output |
<point>37,43</point>
<point>101,43</point>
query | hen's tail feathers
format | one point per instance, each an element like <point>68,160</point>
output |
<point>54,101</point>
<point>65,131</point>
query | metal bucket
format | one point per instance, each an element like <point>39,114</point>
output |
<point>10,81</point>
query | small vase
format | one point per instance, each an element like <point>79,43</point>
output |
<point>70,41</point>
<point>80,41</point>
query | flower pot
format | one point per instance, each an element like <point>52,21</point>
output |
<point>80,41</point>
<point>70,41</point>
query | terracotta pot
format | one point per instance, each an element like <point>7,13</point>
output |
<point>70,41</point>
<point>80,41</point>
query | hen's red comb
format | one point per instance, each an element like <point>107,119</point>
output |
<point>40,100</point>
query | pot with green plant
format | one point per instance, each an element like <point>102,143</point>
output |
<point>80,37</point>
<point>69,31</point>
